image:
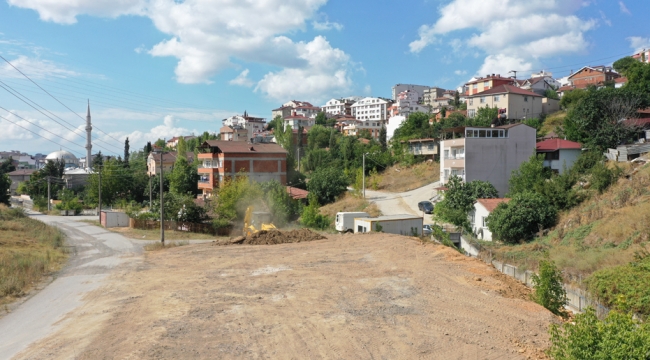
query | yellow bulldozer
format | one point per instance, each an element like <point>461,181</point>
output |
<point>255,221</point>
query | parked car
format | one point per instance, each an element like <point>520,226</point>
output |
<point>426,206</point>
<point>426,230</point>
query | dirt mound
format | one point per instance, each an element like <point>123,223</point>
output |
<point>272,237</point>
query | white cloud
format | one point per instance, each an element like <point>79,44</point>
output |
<point>327,72</point>
<point>167,130</point>
<point>34,68</point>
<point>326,26</point>
<point>624,8</point>
<point>460,72</point>
<point>206,35</point>
<point>242,79</point>
<point>605,19</point>
<point>639,43</point>
<point>531,29</point>
<point>502,64</point>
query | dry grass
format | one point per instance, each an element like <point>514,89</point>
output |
<point>29,250</point>
<point>604,231</point>
<point>159,246</point>
<point>397,178</point>
<point>139,234</point>
<point>553,121</point>
<point>349,202</point>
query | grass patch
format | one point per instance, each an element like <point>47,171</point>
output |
<point>397,178</point>
<point>159,246</point>
<point>139,234</point>
<point>349,203</point>
<point>29,250</point>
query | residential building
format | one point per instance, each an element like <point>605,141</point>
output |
<point>354,128</point>
<point>419,89</point>
<point>488,82</point>
<point>235,133</point>
<point>168,160</point>
<point>221,160</point>
<point>173,142</point>
<point>478,217</point>
<point>253,125</point>
<point>593,75</point>
<point>619,82</point>
<point>559,154</point>
<point>407,103</point>
<point>438,103</point>
<point>431,94</point>
<point>438,117</point>
<point>486,153</point>
<point>537,85</point>
<point>295,121</point>
<point>370,108</point>
<point>306,109</point>
<point>424,147</point>
<point>17,177</point>
<point>642,56</point>
<point>548,77</point>
<point>341,106</point>
<point>517,103</point>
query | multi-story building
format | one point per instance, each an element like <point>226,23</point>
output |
<point>341,106</point>
<point>486,153</point>
<point>235,133</point>
<point>370,108</point>
<point>592,75</point>
<point>295,121</point>
<point>480,84</point>
<point>221,160</point>
<point>168,160</point>
<point>397,89</point>
<point>407,103</point>
<point>517,103</point>
<point>642,56</point>
<point>431,94</point>
<point>253,125</point>
<point>301,107</point>
<point>424,147</point>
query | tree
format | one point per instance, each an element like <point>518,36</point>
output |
<point>326,184</point>
<point>5,184</point>
<point>572,98</point>
<point>549,290</point>
<point>184,177</point>
<point>382,138</point>
<point>98,160</point>
<point>112,184</point>
<point>311,216</point>
<point>321,118</point>
<point>638,77</point>
<point>147,149</point>
<point>597,120</point>
<point>126,152</point>
<point>484,116</point>
<point>7,166</point>
<point>456,100</point>
<point>520,218</point>
<point>530,176</point>
<point>459,200</point>
<point>623,64</point>
<point>160,143</point>
<point>551,94</point>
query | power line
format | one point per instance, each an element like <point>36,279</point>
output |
<point>35,133</point>
<point>52,96</point>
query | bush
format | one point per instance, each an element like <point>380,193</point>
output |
<point>311,216</point>
<point>327,183</point>
<point>548,288</point>
<point>521,217</point>
<point>602,177</point>
<point>618,336</point>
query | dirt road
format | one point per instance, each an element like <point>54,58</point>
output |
<point>365,296</point>
<point>390,203</point>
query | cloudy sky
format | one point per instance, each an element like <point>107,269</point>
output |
<point>159,68</point>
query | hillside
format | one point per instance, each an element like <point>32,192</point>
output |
<point>602,232</point>
<point>398,178</point>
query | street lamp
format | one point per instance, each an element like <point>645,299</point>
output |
<point>162,199</point>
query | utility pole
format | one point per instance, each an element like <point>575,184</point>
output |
<point>363,171</point>
<point>150,194</point>
<point>99,212</point>
<point>162,201</point>
<point>48,194</point>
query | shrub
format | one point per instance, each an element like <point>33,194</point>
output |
<point>548,288</point>
<point>521,218</point>
<point>327,183</point>
<point>311,217</point>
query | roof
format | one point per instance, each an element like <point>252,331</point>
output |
<point>22,172</point>
<point>492,77</point>
<point>393,217</point>
<point>557,144</point>
<point>509,89</point>
<point>296,193</point>
<point>244,147</point>
<point>491,204</point>
<point>599,68</point>
<point>620,80</point>
<point>170,156</point>
<point>422,140</point>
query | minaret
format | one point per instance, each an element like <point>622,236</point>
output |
<point>89,146</point>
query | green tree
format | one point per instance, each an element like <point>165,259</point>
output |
<point>623,64</point>
<point>520,218</point>
<point>572,98</point>
<point>459,200</point>
<point>638,78</point>
<point>530,176</point>
<point>7,166</point>
<point>321,118</point>
<point>147,149</point>
<point>126,152</point>
<point>311,216</point>
<point>112,184</point>
<point>382,138</point>
<point>596,120</point>
<point>184,177</point>
<point>234,196</point>
<point>484,116</point>
<point>5,184</point>
<point>551,94</point>
<point>549,290</point>
<point>98,160</point>
<point>415,126</point>
<point>326,184</point>
<point>456,102</point>
<point>618,337</point>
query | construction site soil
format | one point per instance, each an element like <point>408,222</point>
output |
<point>274,237</point>
<point>362,296</point>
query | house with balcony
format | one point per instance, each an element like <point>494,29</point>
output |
<point>222,160</point>
<point>235,133</point>
<point>424,147</point>
<point>559,154</point>
<point>592,75</point>
<point>485,153</point>
<point>517,103</point>
<point>341,106</point>
<point>296,121</point>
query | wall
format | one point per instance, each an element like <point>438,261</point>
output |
<point>519,109</point>
<point>493,160</point>
<point>550,106</point>
<point>567,158</point>
<point>479,212</point>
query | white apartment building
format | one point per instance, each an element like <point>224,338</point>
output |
<point>370,108</point>
<point>341,106</point>
<point>420,89</point>
<point>296,121</point>
<point>253,125</point>
<point>487,153</point>
<point>407,103</point>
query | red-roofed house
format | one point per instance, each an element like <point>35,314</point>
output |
<point>593,75</point>
<point>488,82</point>
<point>559,154</point>
<point>478,217</point>
<point>517,102</point>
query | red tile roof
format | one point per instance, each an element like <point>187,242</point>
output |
<point>297,193</point>
<point>620,80</point>
<point>557,144</point>
<point>491,204</point>
<point>495,77</point>
<point>244,147</point>
<point>22,172</point>
<point>510,89</point>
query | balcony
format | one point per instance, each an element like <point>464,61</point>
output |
<point>455,157</point>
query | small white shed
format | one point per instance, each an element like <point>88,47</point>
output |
<point>393,224</point>
<point>478,217</point>
<point>111,219</point>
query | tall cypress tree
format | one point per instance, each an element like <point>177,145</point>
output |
<point>126,152</point>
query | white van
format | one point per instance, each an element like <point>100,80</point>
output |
<point>345,220</point>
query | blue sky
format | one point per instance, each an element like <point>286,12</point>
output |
<point>159,68</point>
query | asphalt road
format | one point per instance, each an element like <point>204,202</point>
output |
<point>403,203</point>
<point>95,253</point>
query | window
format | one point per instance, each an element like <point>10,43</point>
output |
<point>482,99</point>
<point>481,133</point>
<point>554,155</point>
<point>471,101</point>
<point>430,146</point>
<point>446,155</point>
<point>485,222</point>
<point>471,113</point>
<point>469,133</point>
<point>486,83</point>
<point>446,173</point>
<point>496,97</point>
<point>472,217</point>
<point>474,86</point>
<point>525,98</point>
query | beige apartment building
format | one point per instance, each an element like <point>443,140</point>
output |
<point>518,103</point>
<point>486,153</point>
